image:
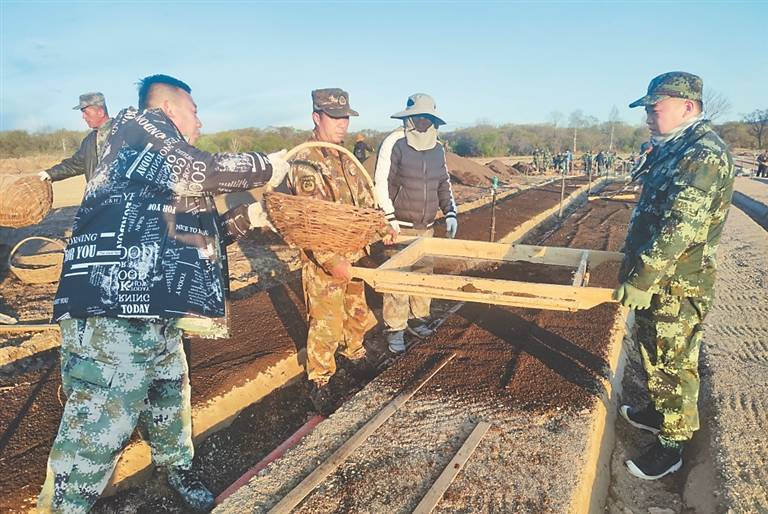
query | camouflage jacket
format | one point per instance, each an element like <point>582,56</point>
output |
<point>86,158</point>
<point>325,175</point>
<point>675,228</point>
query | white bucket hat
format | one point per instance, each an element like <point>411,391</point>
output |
<point>420,103</point>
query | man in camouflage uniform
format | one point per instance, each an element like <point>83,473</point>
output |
<point>668,272</point>
<point>537,160</point>
<point>587,159</point>
<point>338,314</point>
<point>84,161</point>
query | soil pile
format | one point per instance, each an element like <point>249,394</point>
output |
<point>503,171</point>
<point>468,172</point>
<point>524,168</point>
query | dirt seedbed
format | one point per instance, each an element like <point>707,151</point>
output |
<point>266,326</point>
<point>535,375</point>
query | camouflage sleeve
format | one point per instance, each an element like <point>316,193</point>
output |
<point>687,211</point>
<point>71,166</point>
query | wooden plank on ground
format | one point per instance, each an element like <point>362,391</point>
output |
<point>446,478</point>
<point>301,491</point>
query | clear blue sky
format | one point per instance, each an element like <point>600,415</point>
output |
<point>253,64</point>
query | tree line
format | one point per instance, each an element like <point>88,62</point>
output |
<point>578,132</point>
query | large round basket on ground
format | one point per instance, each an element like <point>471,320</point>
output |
<point>37,260</point>
<point>318,225</point>
<point>24,200</point>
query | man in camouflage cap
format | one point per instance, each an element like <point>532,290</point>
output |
<point>339,316</point>
<point>84,161</point>
<point>668,273</point>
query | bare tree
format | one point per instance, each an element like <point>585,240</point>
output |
<point>555,117</point>
<point>757,125</point>
<point>613,118</point>
<point>715,104</point>
<point>234,144</point>
<point>576,121</point>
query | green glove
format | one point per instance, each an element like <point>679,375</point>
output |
<point>632,297</point>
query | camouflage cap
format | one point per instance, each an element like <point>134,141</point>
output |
<point>675,84</point>
<point>88,99</point>
<point>332,101</point>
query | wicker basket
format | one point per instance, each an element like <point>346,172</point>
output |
<point>314,224</point>
<point>24,200</point>
<point>43,267</point>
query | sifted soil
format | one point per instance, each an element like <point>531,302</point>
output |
<point>266,326</point>
<point>534,373</point>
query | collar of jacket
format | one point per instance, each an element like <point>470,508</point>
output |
<point>688,135</point>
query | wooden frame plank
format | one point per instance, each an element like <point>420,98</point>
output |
<point>301,491</point>
<point>407,256</point>
<point>454,467</point>
<point>580,277</point>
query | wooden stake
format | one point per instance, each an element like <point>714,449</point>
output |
<point>436,492</point>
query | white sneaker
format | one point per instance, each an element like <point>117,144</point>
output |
<point>419,328</point>
<point>396,341</point>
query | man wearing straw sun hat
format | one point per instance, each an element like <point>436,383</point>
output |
<point>412,183</point>
<point>338,313</point>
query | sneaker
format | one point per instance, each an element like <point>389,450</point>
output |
<point>657,461</point>
<point>648,419</point>
<point>419,327</point>
<point>190,488</point>
<point>322,397</point>
<point>396,341</point>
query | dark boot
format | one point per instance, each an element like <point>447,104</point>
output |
<point>322,398</point>
<point>657,461</point>
<point>648,418</point>
<point>190,488</point>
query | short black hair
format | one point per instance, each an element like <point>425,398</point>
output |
<point>146,84</point>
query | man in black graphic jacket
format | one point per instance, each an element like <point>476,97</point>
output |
<point>145,261</point>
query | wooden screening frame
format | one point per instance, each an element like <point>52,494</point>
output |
<point>395,275</point>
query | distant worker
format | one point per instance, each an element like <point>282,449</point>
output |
<point>548,160</point>
<point>668,272</point>
<point>362,148</point>
<point>587,161</point>
<point>412,183</point>
<point>86,158</point>
<point>762,164</point>
<point>601,161</point>
<point>537,160</point>
<point>568,162</point>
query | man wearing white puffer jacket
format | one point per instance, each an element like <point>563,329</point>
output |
<point>412,183</point>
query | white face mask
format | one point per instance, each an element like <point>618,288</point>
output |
<point>420,141</point>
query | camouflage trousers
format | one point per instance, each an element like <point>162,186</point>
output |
<point>113,370</point>
<point>339,317</point>
<point>399,308</point>
<point>670,333</point>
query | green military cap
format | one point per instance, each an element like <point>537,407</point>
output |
<point>88,99</point>
<point>332,101</point>
<point>675,84</point>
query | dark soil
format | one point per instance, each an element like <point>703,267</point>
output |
<point>530,359</point>
<point>520,271</point>
<point>528,346</point>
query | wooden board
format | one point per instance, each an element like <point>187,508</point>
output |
<point>396,276</point>
<point>436,492</point>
